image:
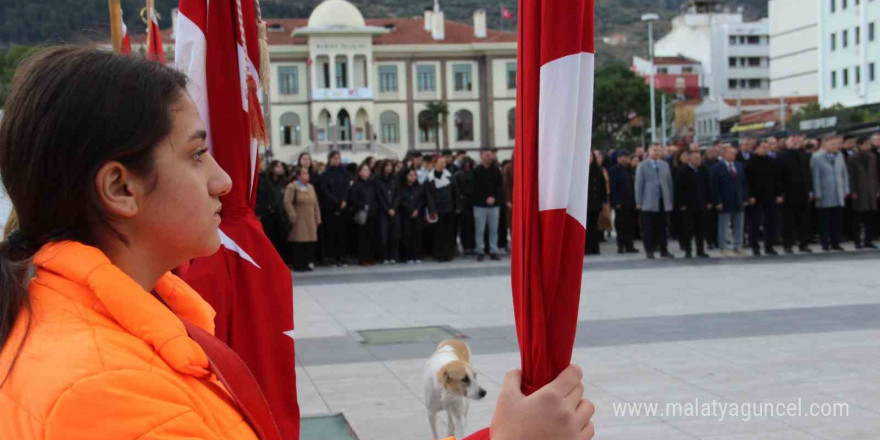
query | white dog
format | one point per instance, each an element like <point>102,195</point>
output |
<point>449,381</point>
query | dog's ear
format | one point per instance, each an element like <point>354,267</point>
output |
<point>443,375</point>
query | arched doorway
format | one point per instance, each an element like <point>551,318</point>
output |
<point>343,124</point>
<point>323,127</point>
<point>361,127</point>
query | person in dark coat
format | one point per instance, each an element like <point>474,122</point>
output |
<point>597,197</point>
<point>334,187</point>
<point>488,194</point>
<point>412,204</point>
<point>270,207</point>
<point>797,195</point>
<point>623,199</point>
<point>729,189</point>
<point>692,202</point>
<point>765,195</point>
<point>465,219</point>
<point>362,199</point>
<point>865,187</point>
<point>389,226</point>
<point>444,195</point>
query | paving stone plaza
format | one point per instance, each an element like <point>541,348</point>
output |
<point>783,348</point>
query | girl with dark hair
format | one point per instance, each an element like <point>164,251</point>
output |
<point>104,158</point>
<point>301,205</point>
<point>363,201</point>
<point>334,187</point>
<point>444,195</point>
<point>269,206</point>
<point>465,222</point>
<point>389,226</point>
<point>412,202</point>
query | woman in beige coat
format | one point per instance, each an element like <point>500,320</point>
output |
<point>301,205</point>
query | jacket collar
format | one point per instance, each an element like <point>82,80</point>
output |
<point>85,275</point>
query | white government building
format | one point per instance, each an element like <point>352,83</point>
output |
<point>339,81</point>
<point>828,48</point>
<point>734,54</point>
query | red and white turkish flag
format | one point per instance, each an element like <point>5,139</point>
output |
<point>155,50</point>
<point>125,48</point>
<point>554,116</point>
<point>246,282</point>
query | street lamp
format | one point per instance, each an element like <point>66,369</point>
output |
<point>650,18</point>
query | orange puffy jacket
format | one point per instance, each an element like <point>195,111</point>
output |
<point>103,359</point>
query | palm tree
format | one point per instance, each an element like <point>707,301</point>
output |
<point>438,111</point>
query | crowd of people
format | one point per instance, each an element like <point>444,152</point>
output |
<point>386,211</point>
<point>757,195</point>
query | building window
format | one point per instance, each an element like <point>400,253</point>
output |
<point>843,38</point>
<point>426,82</point>
<point>754,39</point>
<point>871,31</point>
<point>511,76</point>
<point>387,78</point>
<point>731,84</point>
<point>426,127</point>
<point>858,35</point>
<point>833,42</point>
<point>511,123</point>
<point>732,40</point>
<point>845,77</point>
<point>754,62</point>
<point>742,39</point>
<point>464,125</point>
<point>833,79</point>
<point>461,76</point>
<point>389,123</point>
<point>832,5</point>
<point>871,72</point>
<point>731,62</point>
<point>754,83</point>
<point>842,4</point>
<point>687,69</point>
<point>290,129</point>
<point>858,74</point>
<point>341,73</point>
<point>288,83</point>
<point>663,70</point>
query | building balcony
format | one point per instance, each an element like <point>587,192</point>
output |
<point>357,94</point>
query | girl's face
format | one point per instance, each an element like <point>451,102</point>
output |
<point>303,175</point>
<point>364,172</point>
<point>181,214</point>
<point>305,161</point>
<point>411,177</point>
<point>389,168</point>
<point>335,160</point>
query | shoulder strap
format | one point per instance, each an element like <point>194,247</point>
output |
<point>239,381</point>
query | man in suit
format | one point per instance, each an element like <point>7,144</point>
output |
<point>692,201</point>
<point>729,195</point>
<point>623,199</point>
<point>654,199</point>
<point>864,180</point>
<point>765,193</point>
<point>797,194</point>
<point>831,188</point>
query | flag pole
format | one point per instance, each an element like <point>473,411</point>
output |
<point>116,25</point>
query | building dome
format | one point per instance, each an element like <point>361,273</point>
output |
<point>336,13</point>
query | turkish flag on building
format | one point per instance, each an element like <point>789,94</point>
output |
<point>246,282</point>
<point>505,13</point>
<point>155,51</point>
<point>554,115</point>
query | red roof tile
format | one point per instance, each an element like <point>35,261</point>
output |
<point>404,31</point>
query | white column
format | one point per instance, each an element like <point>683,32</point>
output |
<point>349,71</point>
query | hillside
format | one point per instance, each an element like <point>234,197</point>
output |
<point>55,21</point>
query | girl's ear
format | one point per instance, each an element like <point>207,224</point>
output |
<point>118,190</point>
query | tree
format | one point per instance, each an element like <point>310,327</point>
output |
<point>9,60</point>
<point>438,111</point>
<point>619,96</point>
